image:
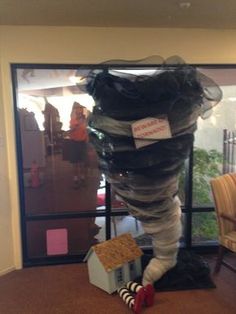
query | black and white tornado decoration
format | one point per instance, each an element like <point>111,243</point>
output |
<point>142,128</point>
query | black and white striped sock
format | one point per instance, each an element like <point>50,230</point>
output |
<point>126,296</point>
<point>134,286</point>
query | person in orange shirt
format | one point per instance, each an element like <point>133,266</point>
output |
<point>79,140</point>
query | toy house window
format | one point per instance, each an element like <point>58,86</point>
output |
<point>132,269</point>
<point>119,276</point>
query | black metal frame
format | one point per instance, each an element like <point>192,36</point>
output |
<point>107,213</point>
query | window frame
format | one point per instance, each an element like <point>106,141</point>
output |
<point>187,208</point>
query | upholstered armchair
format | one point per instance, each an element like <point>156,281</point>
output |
<point>224,193</point>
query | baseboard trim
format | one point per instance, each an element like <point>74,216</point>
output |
<point>6,270</point>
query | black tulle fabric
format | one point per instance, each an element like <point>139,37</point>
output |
<point>176,91</point>
<point>191,272</point>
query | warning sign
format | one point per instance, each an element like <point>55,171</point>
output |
<point>149,130</point>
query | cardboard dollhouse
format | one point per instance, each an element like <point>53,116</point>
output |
<point>113,263</point>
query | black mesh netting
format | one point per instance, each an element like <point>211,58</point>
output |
<point>190,272</point>
<point>146,178</point>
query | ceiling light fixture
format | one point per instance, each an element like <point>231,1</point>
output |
<point>233,99</point>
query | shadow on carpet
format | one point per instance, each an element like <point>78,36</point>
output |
<point>190,272</point>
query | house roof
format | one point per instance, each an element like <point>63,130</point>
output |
<point>117,251</point>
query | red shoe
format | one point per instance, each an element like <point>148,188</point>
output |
<point>149,294</point>
<point>139,301</point>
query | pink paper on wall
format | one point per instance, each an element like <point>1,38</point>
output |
<point>57,241</point>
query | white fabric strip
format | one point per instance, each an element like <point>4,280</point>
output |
<point>165,234</point>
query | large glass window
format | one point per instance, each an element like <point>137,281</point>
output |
<point>204,228</point>
<point>66,203</point>
<point>209,154</point>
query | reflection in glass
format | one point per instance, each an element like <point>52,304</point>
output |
<point>74,236</point>
<point>45,98</point>
<point>123,224</point>
<point>117,203</point>
<point>59,174</point>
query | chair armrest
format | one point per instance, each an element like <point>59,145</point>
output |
<point>229,218</point>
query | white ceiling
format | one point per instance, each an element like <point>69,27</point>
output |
<point>120,13</point>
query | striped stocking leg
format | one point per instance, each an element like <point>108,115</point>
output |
<point>126,296</point>
<point>148,291</point>
<point>134,286</point>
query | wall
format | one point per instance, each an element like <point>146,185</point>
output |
<point>82,45</point>
<point>6,239</point>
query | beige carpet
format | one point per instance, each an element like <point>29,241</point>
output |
<point>65,289</point>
